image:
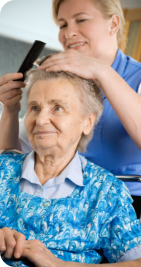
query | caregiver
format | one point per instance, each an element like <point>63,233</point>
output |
<point>91,32</point>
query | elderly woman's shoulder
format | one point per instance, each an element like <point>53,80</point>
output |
<point>103,180</point>
<point>96,172</point>
<point>10,155</point>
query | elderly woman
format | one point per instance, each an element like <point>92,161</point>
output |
<point>92,35</point>
<point>57,208</point>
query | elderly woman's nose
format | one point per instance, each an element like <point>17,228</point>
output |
<point>43,117</point>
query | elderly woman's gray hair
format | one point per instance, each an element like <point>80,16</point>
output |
<point>91,102</point>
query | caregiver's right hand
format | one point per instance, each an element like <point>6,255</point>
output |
<point>10,94</point>
<point>11,243</point>
<point>74,62</point>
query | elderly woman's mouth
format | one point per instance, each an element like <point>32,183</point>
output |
<point>44,133</point>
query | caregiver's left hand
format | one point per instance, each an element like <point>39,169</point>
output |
<point>74,62</point>
<point>39,255</point>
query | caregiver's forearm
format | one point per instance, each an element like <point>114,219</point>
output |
<point>136,263</point>
<point>124,100</point>
<point>9,125</point>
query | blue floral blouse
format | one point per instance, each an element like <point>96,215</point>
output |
<point>95,219</point>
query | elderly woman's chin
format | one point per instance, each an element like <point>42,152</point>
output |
<point>45,138</point>
<point>45,142</point>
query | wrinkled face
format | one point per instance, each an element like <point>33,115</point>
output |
<point>54,121</point>
<point>86,29</point>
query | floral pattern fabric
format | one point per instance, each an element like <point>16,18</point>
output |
<point>95,219</point>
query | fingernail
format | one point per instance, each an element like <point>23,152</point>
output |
<point>17,255</point>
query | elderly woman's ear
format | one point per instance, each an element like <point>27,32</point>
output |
<point>89,124</point>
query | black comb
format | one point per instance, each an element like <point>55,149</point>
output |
<point>31,57</point>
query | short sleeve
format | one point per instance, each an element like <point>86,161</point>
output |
<point>139,89</point>
<point>26,148</point>
<point>121,232</point>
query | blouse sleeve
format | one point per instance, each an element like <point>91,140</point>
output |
<point>121,230</point>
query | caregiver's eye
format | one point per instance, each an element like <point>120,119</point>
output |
<point>81,20</point>
<point>63,26</point>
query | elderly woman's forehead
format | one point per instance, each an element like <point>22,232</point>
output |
<point>59,81</point>
<point>63,87</point>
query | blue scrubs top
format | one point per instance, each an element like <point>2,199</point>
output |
<point>111,147</point>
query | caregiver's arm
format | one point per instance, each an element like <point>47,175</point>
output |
<point>10,96</point>
<point>125,102</point>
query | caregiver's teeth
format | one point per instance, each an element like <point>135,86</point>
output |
<point>76,44</point>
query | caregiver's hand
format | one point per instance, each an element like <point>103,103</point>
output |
<point>74,62</point>
<point>11,243</point>
<point>10,94</point>
<point>39,255</point>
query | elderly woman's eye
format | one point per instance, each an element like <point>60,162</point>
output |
<point>58,108</point>
<point>35,108</point>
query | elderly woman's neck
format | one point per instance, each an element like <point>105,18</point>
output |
<point>51,165</point>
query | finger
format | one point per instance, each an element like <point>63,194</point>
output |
<point>61,67</point>
<point>13,101</point>
<point>69,68</point>
<point>10,86</point>
<point>9,77</point>
<point>10,245</point>
<point>58,62</point>
<point>2,243</point>
<point>56,56</point>
<point>20,242</point>
<point>53,59</point>
<point>10,95</point>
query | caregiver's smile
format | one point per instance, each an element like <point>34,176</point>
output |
<point>83,27</point>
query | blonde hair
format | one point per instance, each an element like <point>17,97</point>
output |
<point>107,8</point>
<point>91,101</point>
